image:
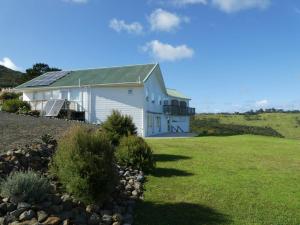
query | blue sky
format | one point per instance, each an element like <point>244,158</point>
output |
<point>227,55</point>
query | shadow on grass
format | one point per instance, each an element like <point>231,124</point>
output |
<point>169,172</point>
<point>148,213</point>
<point>169,158</point>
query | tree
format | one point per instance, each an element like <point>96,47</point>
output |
<point>38,69</point>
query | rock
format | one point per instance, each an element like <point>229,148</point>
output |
<point>5,199</point>
<point>128,187</point>
<point>11,207</point>
<point>27,215</point>
<point>134,193</point>
<point>117,217</point>
<point>137,185</point>
<point>123,182</point>
<point>23,205</point>
<point>3,208</point>
<point>140,178</point>
<point>16,213</point>
<point>65,197</point>
<point>131,182</point>
<point>92,208</point>
<point>67,222</point>
<point>27,222</point>
<point>107,219</point>
<point>42,215</point>
<point>94,219</point>
<point>2,219</point>
<point>52,220</point>
<point>116,223</point>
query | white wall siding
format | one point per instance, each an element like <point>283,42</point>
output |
<point>154,98</point>
<point>106,99</point>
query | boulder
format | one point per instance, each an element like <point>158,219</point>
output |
<point>27,215</point>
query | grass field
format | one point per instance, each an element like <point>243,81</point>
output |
<point>223,180</point>
<point>287,124</point>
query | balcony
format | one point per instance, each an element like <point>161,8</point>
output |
<point>176,110</point>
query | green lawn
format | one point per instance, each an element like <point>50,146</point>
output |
<point>223,180</point>
<point>287,124</point>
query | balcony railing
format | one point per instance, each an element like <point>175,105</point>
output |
<point>178,110</point>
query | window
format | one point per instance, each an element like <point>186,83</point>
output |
<point>147,94</point>
<point>149,120</point>
<point>152,98</point>
<point>38,96</point>
<point>47,95</point>
<point>158,123</point>
<point>74,95</point>
<point>166,102</point>
<point>56,94</point>
<point>159,100</point>
<point>130,91</point>
<point>64,94</point>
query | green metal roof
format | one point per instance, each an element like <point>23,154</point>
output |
<point>176,94</point>
<point>102,76</point>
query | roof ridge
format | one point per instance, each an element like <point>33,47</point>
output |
<point>110,67</point>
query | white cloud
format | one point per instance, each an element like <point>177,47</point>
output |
<point>77,1</point>
<point>167,52</point>
<point>161,20</point>
<point>188,2</point>
<point>261,103</point>
<point>121,25</point>
<point>230,6</point>
<point>8,63</point>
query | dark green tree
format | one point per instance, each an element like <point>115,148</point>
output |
<point>37,70</point>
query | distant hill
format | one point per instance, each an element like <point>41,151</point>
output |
<point>9,77</point>
<point>287,124</point>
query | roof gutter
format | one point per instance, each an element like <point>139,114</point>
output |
<point>126,84</point>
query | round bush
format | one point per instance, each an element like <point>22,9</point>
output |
<point>117,126</point>
<point>25,187</point>
<point>8,95</point>
<point>13,105</point>
<point>84,164</point>
<point>135,152</point>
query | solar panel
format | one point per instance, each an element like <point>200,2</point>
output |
<point>47,78</point>
<point>53,107</point>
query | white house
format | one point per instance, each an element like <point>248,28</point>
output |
<point>137,90</point>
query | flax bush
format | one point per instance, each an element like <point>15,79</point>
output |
<point>84,164</point>
<point>25,187</point>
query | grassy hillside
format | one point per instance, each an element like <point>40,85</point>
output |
<point>223,180</point>
<point>287,124</point>
<point>9,78</point>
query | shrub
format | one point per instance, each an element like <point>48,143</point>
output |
<point>35,113</point>
<point>117,126</point>
<point>84,164</point>
<point>9,95</point>
<point>25,186</point>
<point>135,152</point>
<point>13,105</point>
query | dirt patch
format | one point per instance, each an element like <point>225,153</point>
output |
<point>18,130</point>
